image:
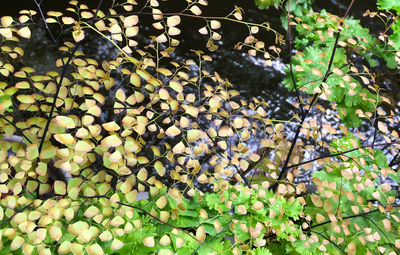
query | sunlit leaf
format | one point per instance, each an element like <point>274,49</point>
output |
<point>149,241</point>
<point>215,24</point>
<point>173,131</point>
<point>158,165</point>
<point>173,20</point>
<point>64,121</point>
<point>6,21</point>
<point>195,10</point>
<point>24,32</point>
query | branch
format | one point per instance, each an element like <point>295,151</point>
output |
<point>340,154</point>
<point>314,99</point>
<point>347,217</point>
<point>63,74</point>
<point>17,128</point>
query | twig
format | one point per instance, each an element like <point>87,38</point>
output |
<point>63,74</point>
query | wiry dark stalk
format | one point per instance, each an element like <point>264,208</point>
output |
<point>63,74</point>
<point>8,219</point>
<point>17,128</point>
<point>48,30</point>
<point>340,153</point>
<point>393,161</point>
<point>313,100</point>
<point>347,217</point>
<point>383,232</point>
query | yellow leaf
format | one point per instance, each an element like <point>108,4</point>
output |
<point>215,24</point>
<point>111,141</point>
<point>149,241</point>
<point>65,122</point>
<point>4,105</point>
<point>203,31</point>
<point>82,146</point>
<point>60,187</point>
<point>193,135</point>
<point>159,168</point>
<point>176,86</point>
<point>192,111</point>
<point>179,148</point>
<point>54,13</point>
<point>86,15</point>
<point>24,32</point>
<point>116,244</point>
<point>115,29</point>
<point>66,139</point>
<point>142,175</point>
<point>351,248</point>
<point>298,68</point>
<point>173,131</point>
<point>173,20</point>
<point>95,249</point>
<point>135,80</point>
<point>165,240</point>
<point>163,93</point>
<point>195,10</point>
<point>161,38</point>
<point>174,31</point>
<point>161,202</point>
<point>68,20</point>
<point>6,32</point>
<point>337,71</point>
<point>201,234</point>
<point>382,127</point>
<point>17,242</point>
<point>111,126</point>
<point>131,21</point>
<point>131,31</point>
<point>157,14</point>
<point>6,21</point>
<point>78,35</point>
<point>316,200</point>
<point>319,217</point>
<point>23,18</point>
<point>225,131</point>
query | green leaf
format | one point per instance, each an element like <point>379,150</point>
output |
<point>388,5</point>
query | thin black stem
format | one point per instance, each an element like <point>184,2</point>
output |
<point>17,128</point>
<point>63,74</point>
<point>347,217</point>
<point>314,99</point>
<point>393,161</point>
<point>340,153</point>
<point>383,232</point>
<point>38,5</point>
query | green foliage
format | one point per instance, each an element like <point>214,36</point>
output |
<point>265,4</point>
<point>337,206</point>
<point>342,85</point>
<point>392,5</point>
